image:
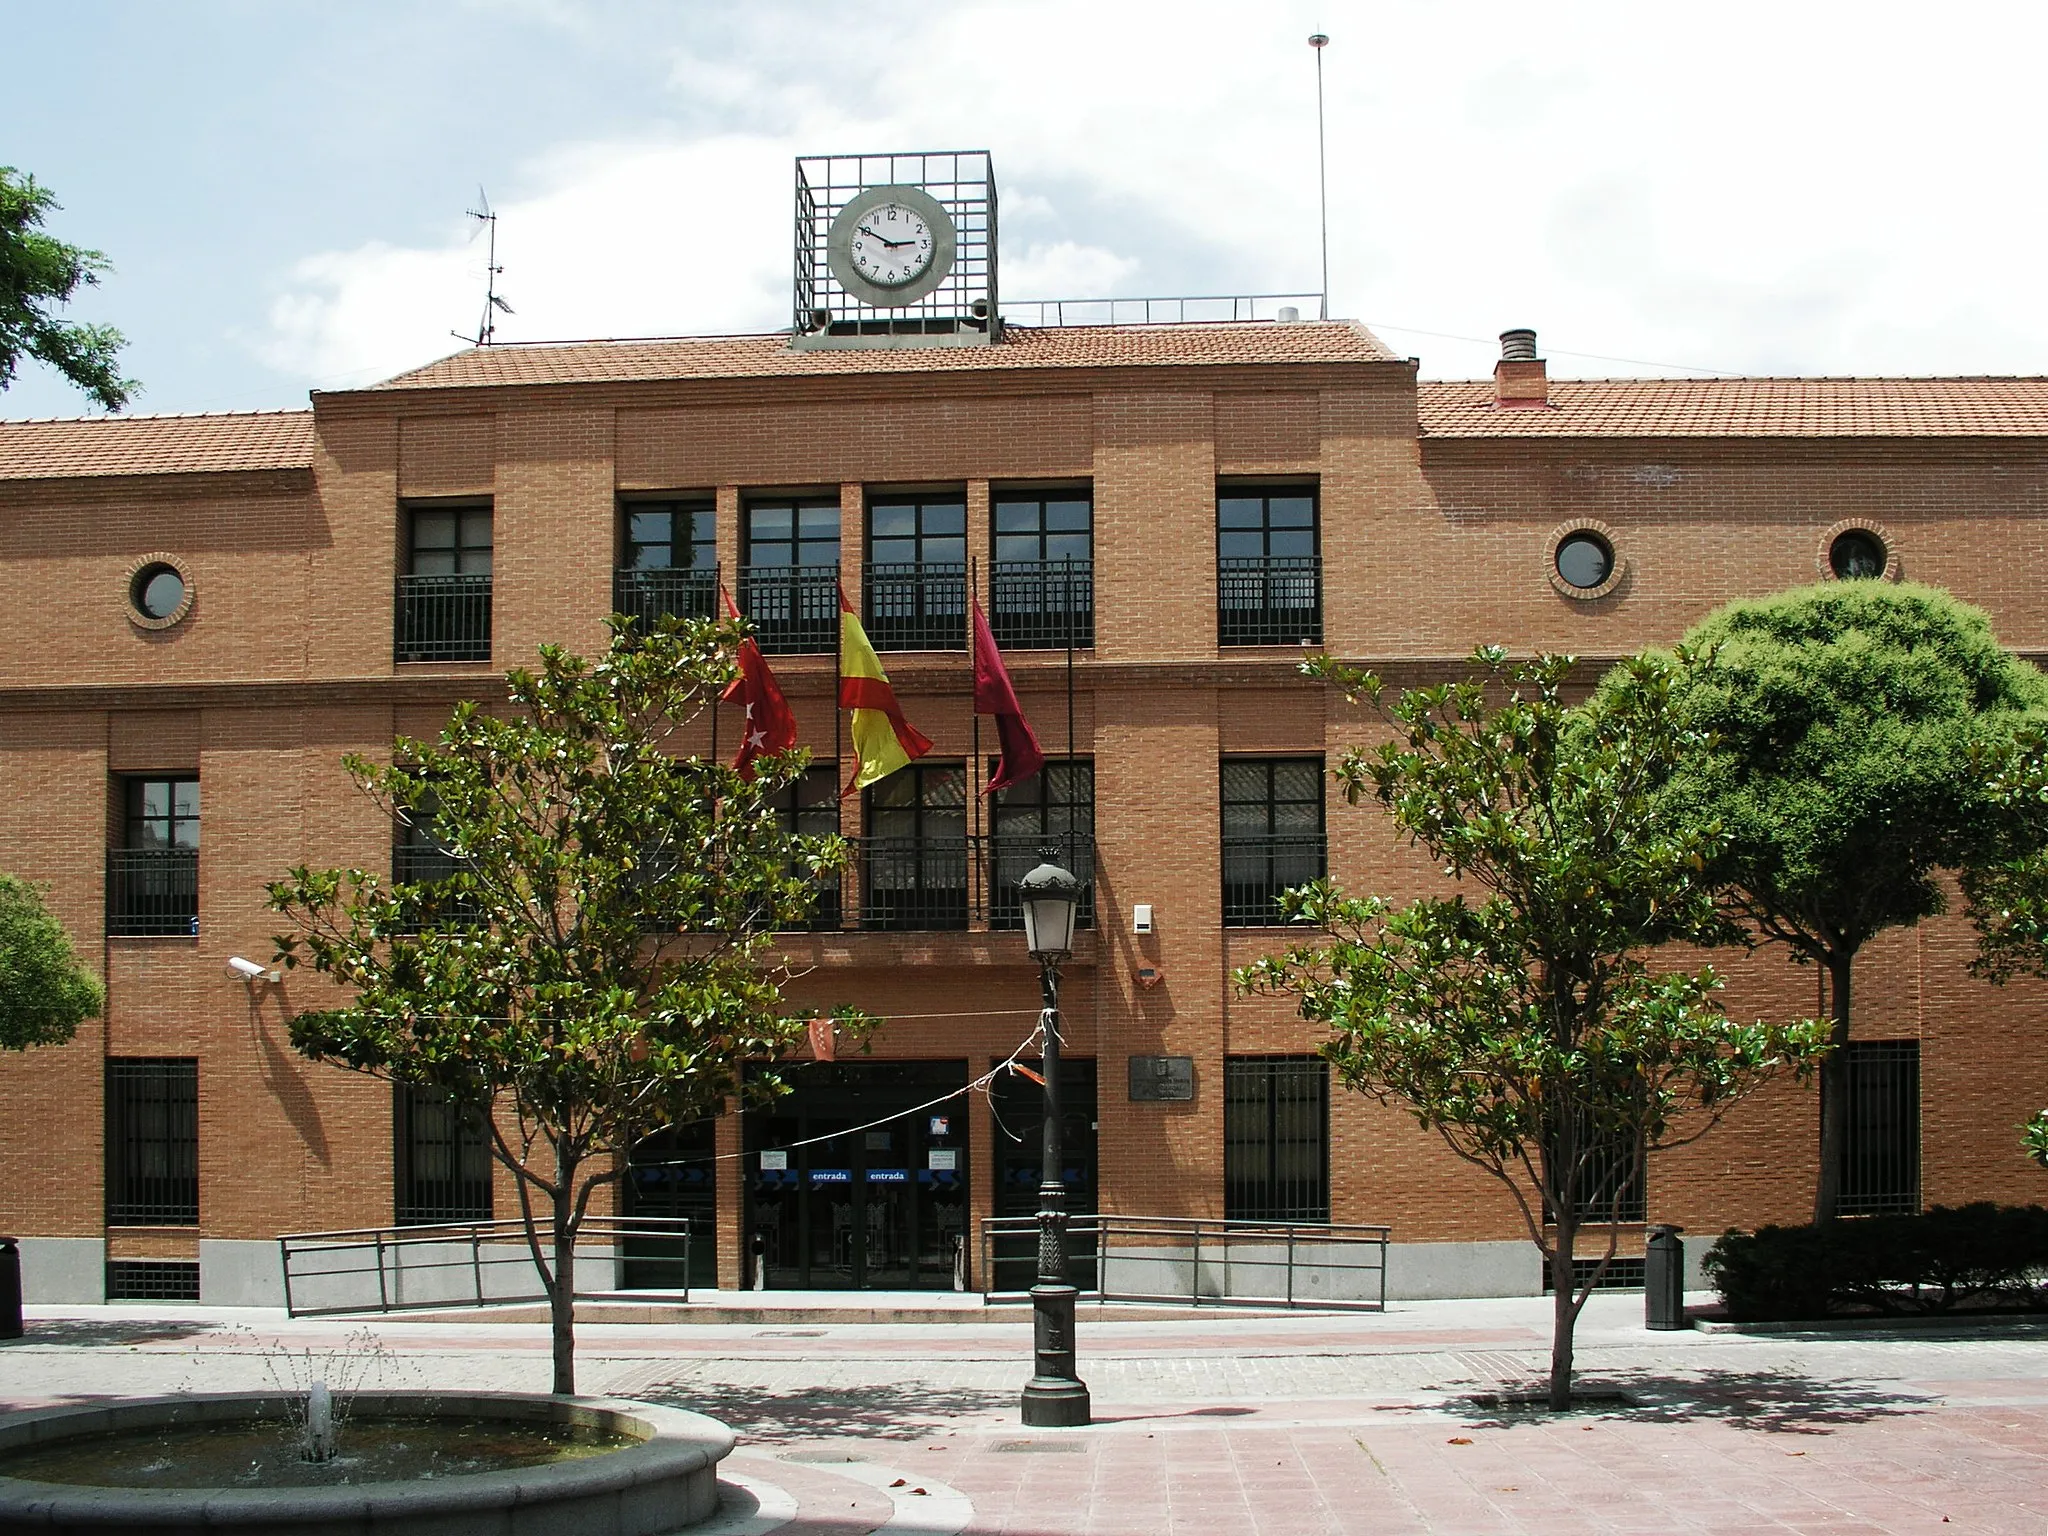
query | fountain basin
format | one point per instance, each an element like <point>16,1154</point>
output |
<point>661,1476</point>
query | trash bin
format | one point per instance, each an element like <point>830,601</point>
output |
<point>10,1288</point>
<point>1663,1278</point>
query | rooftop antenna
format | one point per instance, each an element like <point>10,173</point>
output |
<point>1319,41</point>
<point>487,327</point>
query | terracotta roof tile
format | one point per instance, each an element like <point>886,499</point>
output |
<point>714,357</point>
<point>1761,407</point>
<point>155,445</point>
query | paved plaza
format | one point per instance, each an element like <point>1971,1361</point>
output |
<point>1295,1424</point>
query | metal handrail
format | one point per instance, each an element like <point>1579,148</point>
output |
<point>946,884</point>
<point>651,595</point>
<point>1173,1245</point>
<point>491,1246</point>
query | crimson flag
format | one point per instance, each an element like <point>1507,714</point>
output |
<point>768,725</point>
<point>993,695</point>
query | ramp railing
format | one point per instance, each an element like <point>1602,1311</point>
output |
<point>1191,1262</point>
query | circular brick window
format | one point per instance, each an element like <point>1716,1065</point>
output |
<point>1857,549</point>
<point>1584,562</point>
<point>159,592</point>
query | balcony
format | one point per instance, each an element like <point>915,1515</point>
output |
<point>152,891</point>
<point>443,618</point>
<point>1269,600</point>
<point>944,884</point>
<point>1042,605</point>
<point>650,596</point>
<point>794,609</point>
<point>1258,867</point>
<point>917,606</point>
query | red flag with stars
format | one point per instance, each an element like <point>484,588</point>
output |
<point>767,724</point>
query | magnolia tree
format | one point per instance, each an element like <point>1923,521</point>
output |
<point>1848,737</point>
<point>1518,1016</point>
<point>592,962</point>
<point>46,991</point>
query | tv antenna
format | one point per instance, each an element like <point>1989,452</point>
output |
<point>1319,41</point>
<point>494,302</point>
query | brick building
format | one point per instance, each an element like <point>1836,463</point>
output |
<point>211,610</point>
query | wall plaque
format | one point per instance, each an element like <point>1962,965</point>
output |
<point>1157,1078</point>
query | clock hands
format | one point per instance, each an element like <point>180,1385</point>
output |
<point>878,235</point>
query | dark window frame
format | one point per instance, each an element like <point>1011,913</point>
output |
<point>809,807</point>
<point>1281,857</point>
<point>916,880</point>
<point>1258,1182</point>
<point>152,1141</point>
<point>136,817</point>
<point>426,1129</point>
<point>1881,1144</point>
<point>1287,586</point>
<point>792,599</point>
<point>1064,823</point>
<point>468,512</point>
<point>701,545</point>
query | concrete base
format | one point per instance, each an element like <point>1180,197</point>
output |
<point>240,1273</point>
<point>1456,1271</point>
<point>61,1269</point>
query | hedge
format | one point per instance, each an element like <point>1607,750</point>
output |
<point>1975,1256</point>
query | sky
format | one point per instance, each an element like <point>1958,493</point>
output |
<point>1794,187</point>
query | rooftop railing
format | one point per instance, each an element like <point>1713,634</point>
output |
<point>1177,309</point>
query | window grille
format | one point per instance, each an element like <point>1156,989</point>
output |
<point>668,561</point>
<point>442,1157</point>
<point>152,1141</point>
<point>1041,584</point>
<point>1276,1134</point>
<point>1273,836</point>
<point>789,586</point>
<point>1611,1180</point>
<point>916,575</point>
<point>444,599</point>
<point>1622,1275</point>
<point>1054,808</point>
<point>1269,582</point>
<point>1881,1142</point>
<point>152,1280</point>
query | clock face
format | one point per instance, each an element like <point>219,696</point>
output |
<point>892,245</point>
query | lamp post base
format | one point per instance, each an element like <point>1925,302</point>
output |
<point>1051,1403</point>
<point>1055,1398</point>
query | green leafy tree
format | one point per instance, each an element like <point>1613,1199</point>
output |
<point>1526,1027</point>
<point>596,964</point>
<point>46,992</point>
<point>39,272</point>
<point>1847,734</point>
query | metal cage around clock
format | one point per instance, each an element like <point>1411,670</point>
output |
<point>962,309</point>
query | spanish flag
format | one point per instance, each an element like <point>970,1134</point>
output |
<point>883,740</point>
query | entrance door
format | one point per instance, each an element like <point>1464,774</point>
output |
<point>674,1174</point>
<point>849,1189</point>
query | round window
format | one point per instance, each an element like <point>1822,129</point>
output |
<point>157,590</point>
<point>1585,560</point>
<point>1858,555</point>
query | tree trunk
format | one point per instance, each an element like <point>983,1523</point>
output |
<point>1834,1094</point>
<point>562,1296</point>
<point>1563,1316</point>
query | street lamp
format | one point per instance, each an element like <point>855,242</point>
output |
<point>1054,1396</point>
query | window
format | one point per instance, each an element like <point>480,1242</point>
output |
<point>917,572</point>
<point>1881,1144</point>
<point>1268,566</point>
<point>152,1148</point>
<point>810,808</point>
<point>153,877</point>
<point>1276,1134</point>
<point>789,586</point>
<point>668,560</point>
<point>444,599</point>
<point>420,857</point>
<point>1610,1181</point>
<point>914,858</point>
<point>442,1158</point>
<point>152,1280</point>
<point>1042,581</point>
<point>1272,834</point>
<point>1054,808</point>
<point>1858,555</point>
<point>1584,559</point>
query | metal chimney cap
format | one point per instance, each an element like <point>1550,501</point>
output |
<point>1518,346</point>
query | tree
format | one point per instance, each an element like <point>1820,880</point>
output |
<point>1527,1028</point>
<point>593,967</point>
<point>46,992</point>
<point>39,272</point>
<point>1847,730</point>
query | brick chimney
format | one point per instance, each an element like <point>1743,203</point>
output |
<point>1520,381</point>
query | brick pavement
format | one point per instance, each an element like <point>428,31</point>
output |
<point>1289,1426</point>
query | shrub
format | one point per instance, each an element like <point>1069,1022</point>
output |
<point>1980,1255</point>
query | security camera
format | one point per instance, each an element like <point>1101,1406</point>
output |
<point>249,970</point>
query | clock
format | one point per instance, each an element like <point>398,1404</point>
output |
<point>891,246</point>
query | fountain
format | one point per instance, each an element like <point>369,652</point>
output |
<point>394,1463</point>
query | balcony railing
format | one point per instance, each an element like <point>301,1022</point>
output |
<point>153,891</point>
<point>443,618</point>
<point>650,596</point>
<point>1269,600</point>
<point>1257,868</point>
<point>944,884</point>
<point>794,608</point>
<point>1042,605</point>
<point>917,606</point>
<point>1011,856</point>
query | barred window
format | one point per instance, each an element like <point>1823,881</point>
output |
<point>1610,1182</point>
<point>1272,834</point>
<point>152,1108</point>
<point>442,1156</point>
<point>1881,1142</point>
<point>1276,1138</point>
